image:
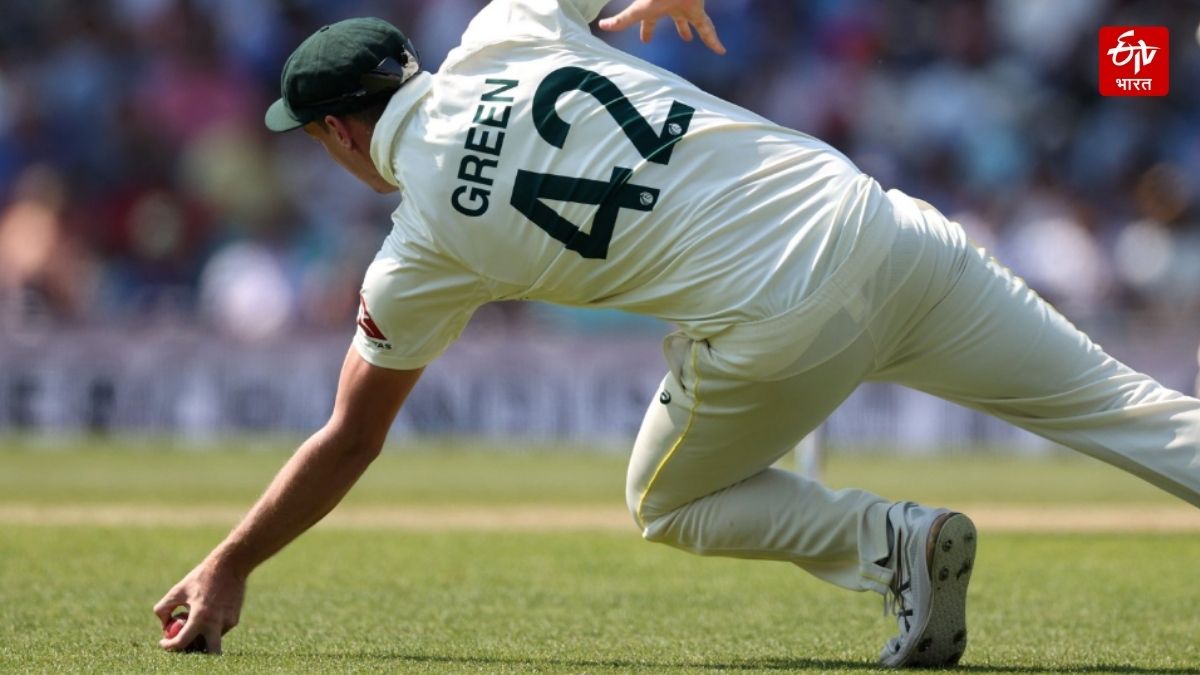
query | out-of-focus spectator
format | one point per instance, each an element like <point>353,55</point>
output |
<point>39,259</point>
<point>245,292</point>
<point>1158,254</point>
<point>1052,247</point>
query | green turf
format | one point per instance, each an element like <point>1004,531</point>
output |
<point>340,601</point>
<point>107,471</point>
<point>77,598</point>
<point>457,473</point>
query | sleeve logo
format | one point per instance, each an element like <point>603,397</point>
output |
<point>1135,61</point>
<point>368,326</point>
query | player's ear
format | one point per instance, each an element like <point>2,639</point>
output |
<point>340,131</point>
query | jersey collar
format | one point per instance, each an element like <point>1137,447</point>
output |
<point>387,129</point>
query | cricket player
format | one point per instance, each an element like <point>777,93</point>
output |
<point>540,163</point>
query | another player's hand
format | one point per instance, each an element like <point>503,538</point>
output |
<point>685,14</point>
<point>213,597</point>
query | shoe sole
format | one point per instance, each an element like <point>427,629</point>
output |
<point>951,559</point>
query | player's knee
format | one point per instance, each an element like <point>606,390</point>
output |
<point>631,502</point>
<point>675,530</point>
<point>654,520</point>
<point>651,506</point>
<point>636,493</point>
<point>639,506</point>
<point>658,530</point>
<point>673,526</point>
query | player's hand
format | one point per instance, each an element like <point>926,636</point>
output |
<point>685,13</point>
<point>213,597</point>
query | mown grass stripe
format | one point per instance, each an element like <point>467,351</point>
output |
<point>1131,518</point>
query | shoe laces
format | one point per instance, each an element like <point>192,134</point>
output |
<point>895,604</point>
<point>895,601</point>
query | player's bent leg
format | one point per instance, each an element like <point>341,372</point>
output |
<point>700,478</point>
<point>779,515</point>
<point>679,490</point>
<point>991,343</point>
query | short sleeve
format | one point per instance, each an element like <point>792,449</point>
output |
<point>546,18</point>
<point>587,10</point>
<point>414,304</point>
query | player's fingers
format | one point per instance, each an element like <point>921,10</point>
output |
<point>647,31</point>
<point>184,637</point>
<point>684,30</point>
<point>212,641</point>
<point>164,607</point>
<point>626,18</point>
<point>708,33</point>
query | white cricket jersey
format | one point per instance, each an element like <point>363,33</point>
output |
<point>540,163</point>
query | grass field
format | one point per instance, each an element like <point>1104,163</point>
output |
<point>387,593</point>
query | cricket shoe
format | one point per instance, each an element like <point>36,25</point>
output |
<point>932,553</point>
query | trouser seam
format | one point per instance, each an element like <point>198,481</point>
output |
<point>639,515</point>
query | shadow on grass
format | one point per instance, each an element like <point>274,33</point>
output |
<point>823,665</point>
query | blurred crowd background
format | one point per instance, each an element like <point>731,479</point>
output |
<point>138,185</point>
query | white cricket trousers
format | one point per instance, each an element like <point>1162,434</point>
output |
<point>939,316</point>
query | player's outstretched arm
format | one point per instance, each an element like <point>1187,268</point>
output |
<point>312,482</point>
<point>685,13</point>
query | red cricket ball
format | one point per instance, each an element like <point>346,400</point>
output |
<point>175,625</point>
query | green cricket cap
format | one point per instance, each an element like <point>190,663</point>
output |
<point>341,68</point>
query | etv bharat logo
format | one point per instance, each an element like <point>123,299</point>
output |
<point>1141,55</point>
<point>1135,61</point>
